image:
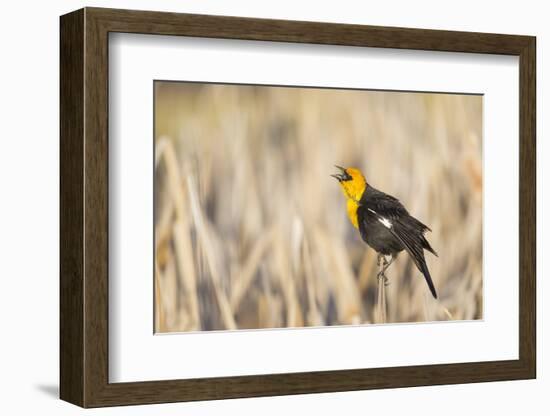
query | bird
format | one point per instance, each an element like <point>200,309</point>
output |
<point>384,223</point>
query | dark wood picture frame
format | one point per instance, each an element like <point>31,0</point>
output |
<point>84,207</point>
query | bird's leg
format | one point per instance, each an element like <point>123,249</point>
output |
<point>385,264</point>
<point>381,301</point>
<point>382,261</point>
<point>385,267</point>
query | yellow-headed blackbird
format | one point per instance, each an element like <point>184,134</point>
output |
<point>384,223</point>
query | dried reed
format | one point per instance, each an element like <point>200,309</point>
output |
<point>251,231</point>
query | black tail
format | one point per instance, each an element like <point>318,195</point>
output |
<point>415,243</point>
<point>423,267</point>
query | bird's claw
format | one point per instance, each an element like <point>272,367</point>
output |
<point>382,276</point>
<point>381,259</point>
<point>385,264</point>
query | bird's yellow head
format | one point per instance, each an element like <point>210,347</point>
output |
<point>352,182</point>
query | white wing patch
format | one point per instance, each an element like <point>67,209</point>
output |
<point>385,222</point>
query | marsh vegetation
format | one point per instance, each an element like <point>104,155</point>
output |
<point>251,231</point>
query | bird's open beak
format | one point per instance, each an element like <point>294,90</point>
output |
<point>340,176</point>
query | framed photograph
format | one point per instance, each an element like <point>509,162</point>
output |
<point>255,207</point>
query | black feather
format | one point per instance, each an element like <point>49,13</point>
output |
<point>414,245</point>
<point>405,232</point>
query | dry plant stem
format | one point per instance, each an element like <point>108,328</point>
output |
<point>342,281</point>
<point>448,314</point>
<point>184,260</point>
<point>381,300</point>
<point>206,242</point>
<point>287,282</point>
<point>180,231</point>
<point>250,267</point>
<point>160,323</point>
<point>314,316</point>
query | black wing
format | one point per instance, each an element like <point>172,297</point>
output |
<point>414,243</point>
<point>407,229</point>
<point>391,208</point>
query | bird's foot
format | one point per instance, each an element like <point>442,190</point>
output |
<point>383,277</point>
<point>381,260</point>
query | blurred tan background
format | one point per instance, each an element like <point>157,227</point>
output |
<point>252,232</point>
